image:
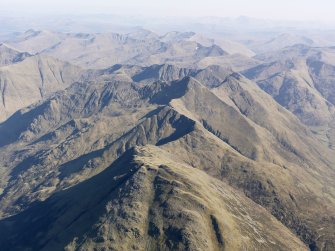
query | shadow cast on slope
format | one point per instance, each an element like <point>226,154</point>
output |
<point>70,213</point>
<point>11,129</point>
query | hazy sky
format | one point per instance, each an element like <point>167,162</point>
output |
<point>322,10</point>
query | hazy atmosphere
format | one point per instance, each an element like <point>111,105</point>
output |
<point>321,10</point>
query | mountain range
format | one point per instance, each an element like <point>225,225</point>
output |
<point>141,141</point>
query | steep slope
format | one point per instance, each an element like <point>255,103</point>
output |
<point>315,64</point>
<point>31,80</point>
<point>300,79</point>
<point>292,85</point>
<point>148,200</point>
<point>281,145</point>
<point>323,75</point>
<point>191,98</point>
<point>262,110</point>
<point>10,56</point>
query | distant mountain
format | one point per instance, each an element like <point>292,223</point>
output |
<point>34,41</point>
<point>140,48</point>
<point>229,46</point>
<point>284,40</point>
